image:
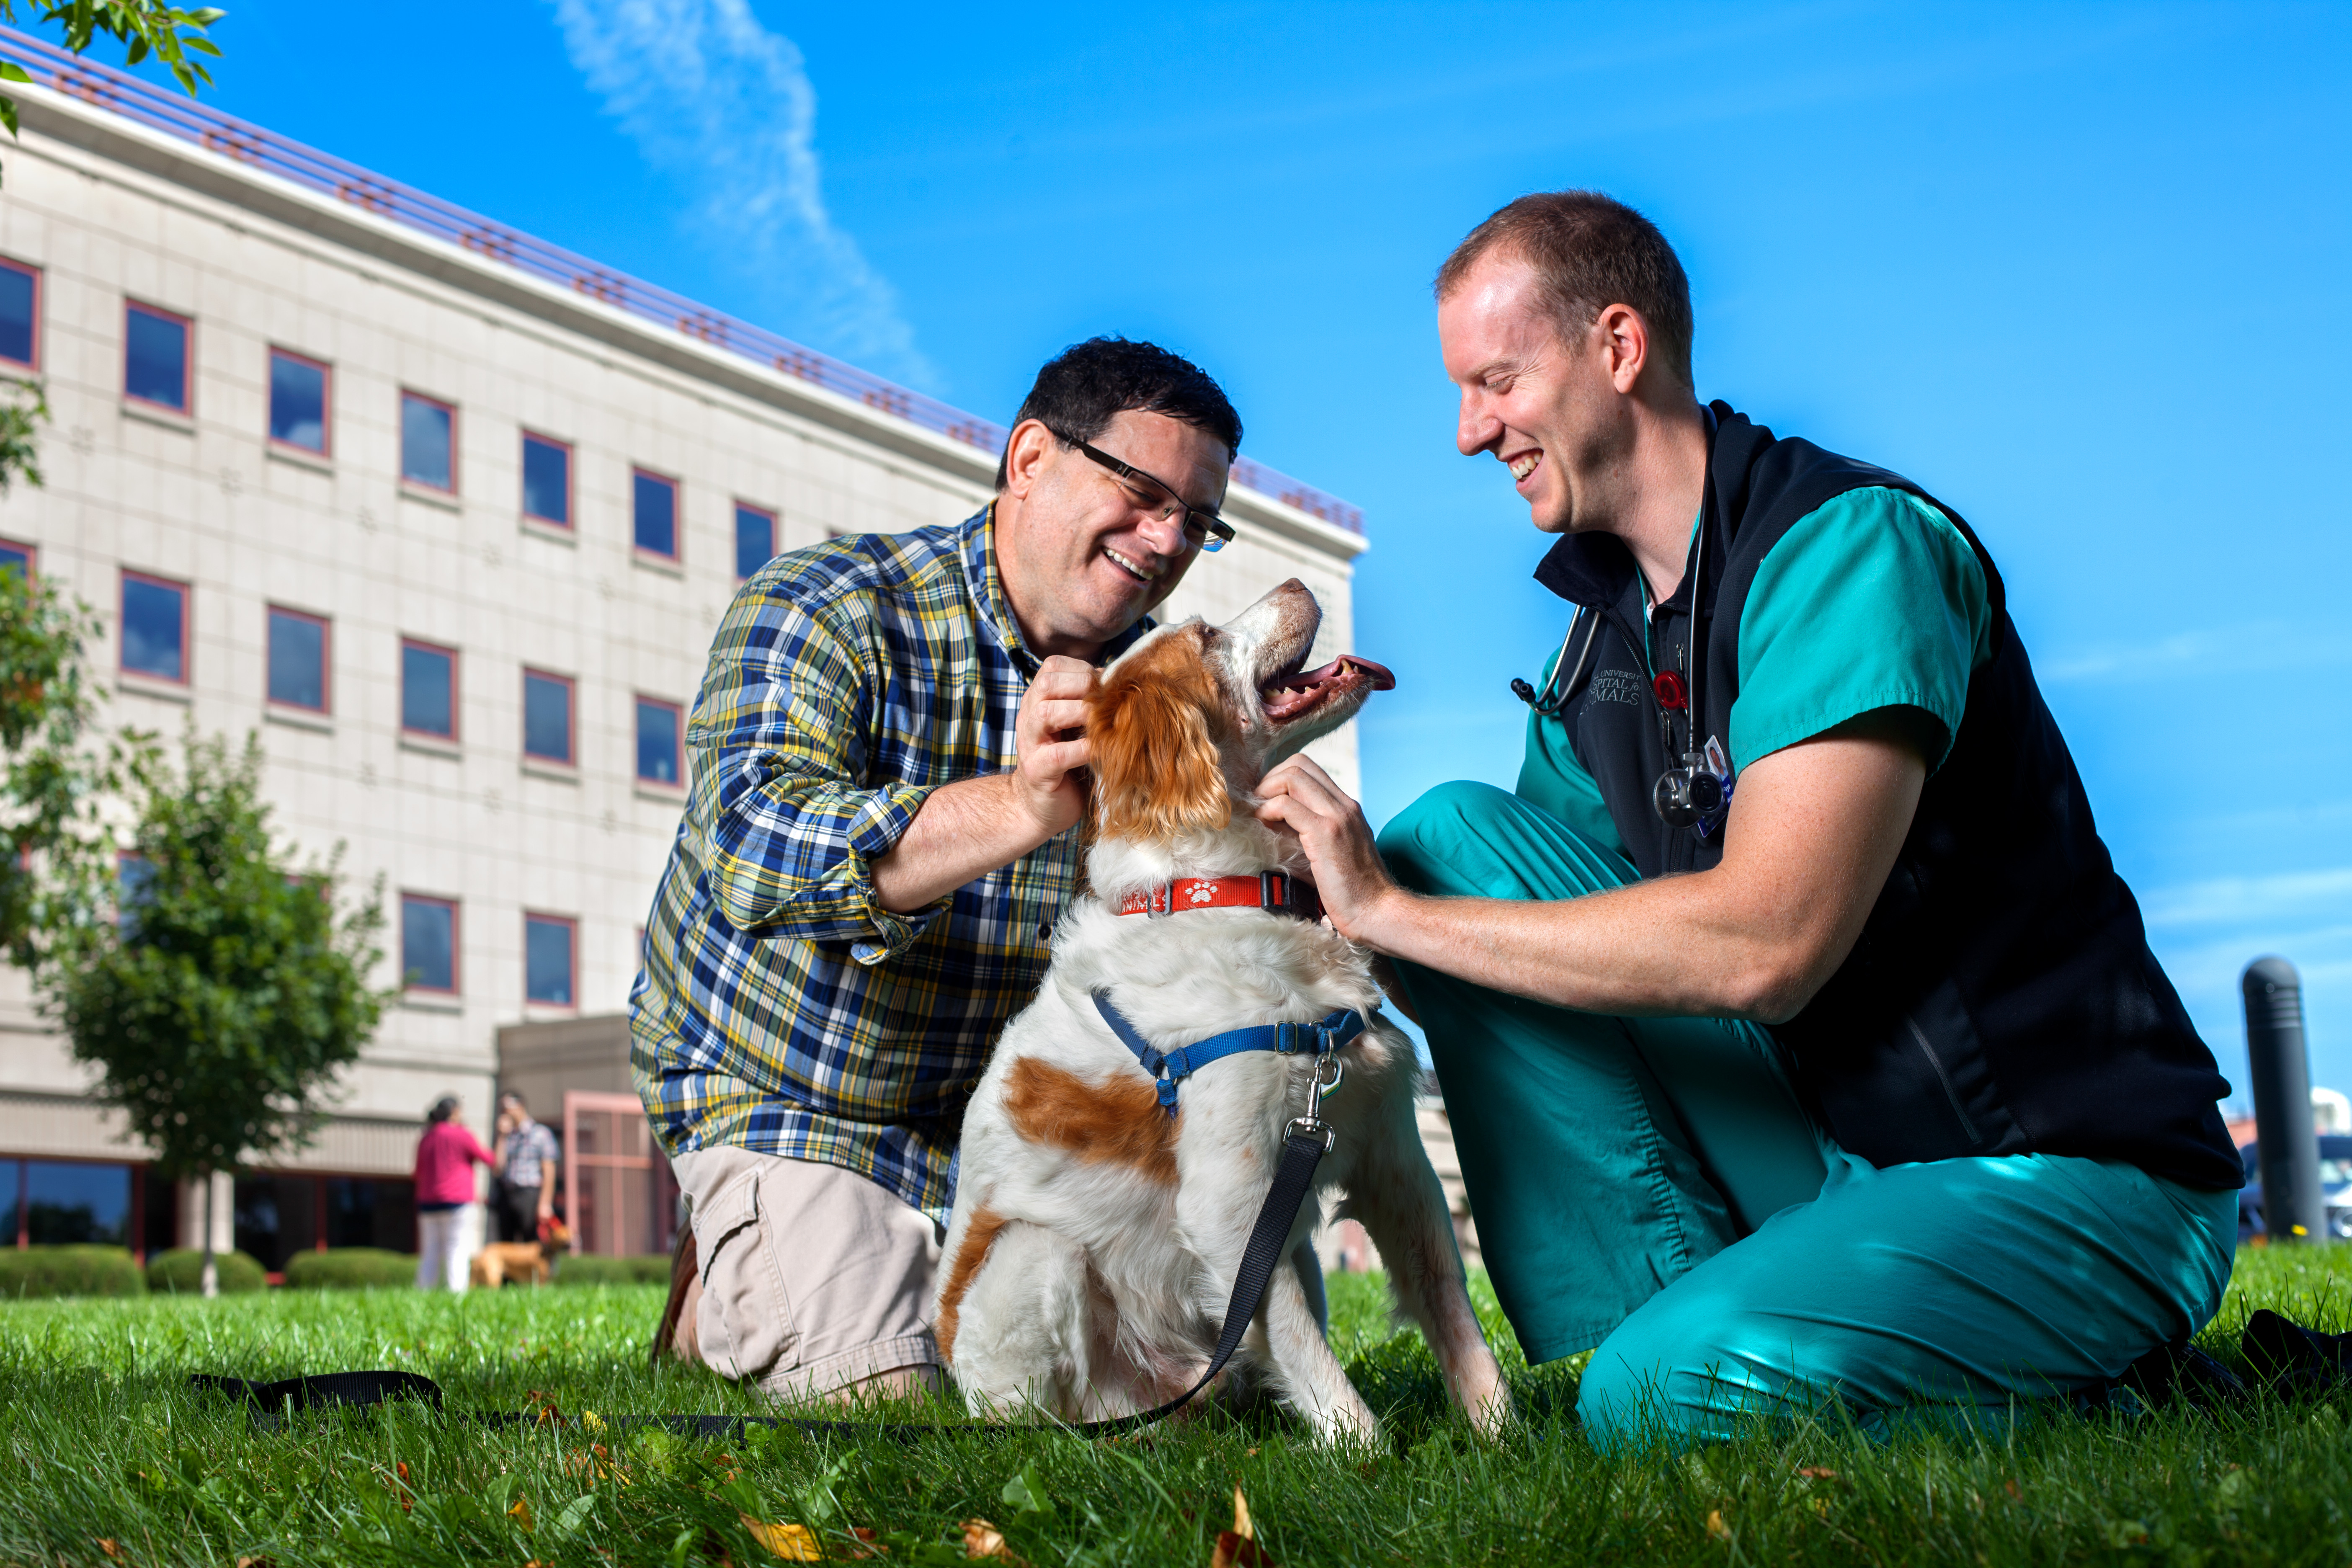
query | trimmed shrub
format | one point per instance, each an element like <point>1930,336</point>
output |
<point>79,1270</point>
<point>181,1271</point>
<point>351,1268</point>
<point>593,1268</point>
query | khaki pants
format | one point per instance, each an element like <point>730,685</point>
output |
<point>813,1277</point>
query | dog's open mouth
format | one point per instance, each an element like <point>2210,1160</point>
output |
<point>1290,693</point>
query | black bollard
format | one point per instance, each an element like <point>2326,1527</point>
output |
<point>2295,1208</point>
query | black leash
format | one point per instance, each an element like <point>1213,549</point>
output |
<point>1309,1139</point>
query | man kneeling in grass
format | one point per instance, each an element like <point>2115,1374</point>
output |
<point>880,836</point>
<point>1800,1040</point>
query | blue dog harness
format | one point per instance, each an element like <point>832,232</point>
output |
<point>1168,1069</point>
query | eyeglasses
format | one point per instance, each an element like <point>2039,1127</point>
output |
<point>1202,527</point>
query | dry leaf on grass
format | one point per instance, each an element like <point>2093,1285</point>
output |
<point>521,1511</point>
<point>1238,1552</point>
<point>106,1544</point>
<point>793,1542</point>
<point>1715,1525</point>
<point>1817,1472</point>
<point>981,1538</point>
<point>1238,1547</point>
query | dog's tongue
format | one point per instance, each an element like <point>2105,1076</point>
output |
<point>1306,679</point>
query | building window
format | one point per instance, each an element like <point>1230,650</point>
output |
<point>60,1202</point>
<point>549,946</point>
<point>297,659</point>
<point>656,514</point>
<point>547,717</point>
<point>20,314</point>
<point>657,742</point>
<point>134,889</point>
<point>15,557</point>
<point>298,401</point>
<point>155,358</point>
<point>755,538</point>
<point>546,479</point>
<point>428,944</point>
<point>155,627</point>
<point>428,689</point>
<point>429,442</point>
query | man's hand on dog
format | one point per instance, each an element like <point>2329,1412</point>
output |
<point>1049,732</point>
<point>1354,885</point>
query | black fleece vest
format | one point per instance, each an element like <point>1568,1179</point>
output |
<point>2002,998</point>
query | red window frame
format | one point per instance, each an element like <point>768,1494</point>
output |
<point>187,629</point>
<point>451,409</point>
<point>676,513</point>
<point>571,717</point>
<point>326,659</point>
<point>677,710</point>
<point>29,270</point>
<point>32,554</point>
<point>775,522</point>
<point>188,358</point>
<point>456,710</point>
<point>456,947</point>
<point>571,925</point>
<point>326,447</point>
<point>570,483</point>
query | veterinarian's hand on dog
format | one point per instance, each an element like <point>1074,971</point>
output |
<point>1354,885</point>
<point>972,826</point>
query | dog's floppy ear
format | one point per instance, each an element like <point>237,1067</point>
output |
<point>1154,728</point>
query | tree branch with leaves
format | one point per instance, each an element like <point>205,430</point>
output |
<point>168,33</point>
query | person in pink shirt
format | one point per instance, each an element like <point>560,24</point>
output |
<point>445,1158</point>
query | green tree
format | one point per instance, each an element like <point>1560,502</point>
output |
<point>142,26</point>
<point>56,862</point>
<point>222,1000</point>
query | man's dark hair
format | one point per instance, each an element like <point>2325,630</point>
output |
<point>1588,251</point>
<point>1087,384</point>
<point>516,1095</point>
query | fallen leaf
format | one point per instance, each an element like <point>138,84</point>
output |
<point>981,1538</point>
<point>1241,1516</point>
<point>1715,1525</point>
<point>521,1511</point>
<point>257,1562</point>
<point>107,1545</point>
<point>1238,1552</point>
<point>2009,1486</point>
<point>793,1542</point>
<point>400,1468</point>
<point>1817,1472</point>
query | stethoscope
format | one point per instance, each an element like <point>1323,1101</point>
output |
<point>1696,793</point>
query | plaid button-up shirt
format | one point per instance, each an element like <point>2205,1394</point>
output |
<point>782,1008</point>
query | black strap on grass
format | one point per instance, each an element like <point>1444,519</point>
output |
<point>1302,1151</point>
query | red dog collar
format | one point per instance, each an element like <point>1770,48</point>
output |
<point>1276,890</point>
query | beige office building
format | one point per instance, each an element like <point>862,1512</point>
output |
<point>447,517</point>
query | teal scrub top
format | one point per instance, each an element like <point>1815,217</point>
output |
<point>1871,601</point>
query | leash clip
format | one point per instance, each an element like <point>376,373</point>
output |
<point>1323,1089</point>
<point>1312,1126</point>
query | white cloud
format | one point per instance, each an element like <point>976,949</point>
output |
<point>2270,902</point>
<point>725,108</point>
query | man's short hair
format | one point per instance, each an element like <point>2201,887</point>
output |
<point>1087,385</point>
<point>1588,251</point>
<point>516,1095</point>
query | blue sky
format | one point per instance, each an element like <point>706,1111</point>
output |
<point>2081,271</point>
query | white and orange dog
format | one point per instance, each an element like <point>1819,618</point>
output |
<point>1096,1237</point>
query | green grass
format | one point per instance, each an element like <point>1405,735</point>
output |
<point>102,1447</point>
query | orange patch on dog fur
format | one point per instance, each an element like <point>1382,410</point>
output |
<point>978,1237</point>
<point>1115,1122</point>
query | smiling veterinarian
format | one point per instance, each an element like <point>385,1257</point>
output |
<point>1863,1083</point>
<point>877,845</point>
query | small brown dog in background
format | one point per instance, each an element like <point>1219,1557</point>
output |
<point>521,1262</point>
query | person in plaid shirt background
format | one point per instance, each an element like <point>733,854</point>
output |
<point>880,837</point>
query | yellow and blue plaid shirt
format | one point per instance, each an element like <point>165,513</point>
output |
<point>780,1007</point>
